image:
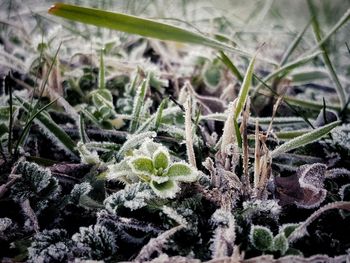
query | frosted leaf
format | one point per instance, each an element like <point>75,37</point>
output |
<point>79,190</point>
<point>344,192</point>
<point>94,242</point>
<point>35,183</point>
<point>340,136</point>
<point>224,237</point>
<point>313,174</point>
<point>311,179</point>
<point>134,141</point>
<point>288,229</point>
<point>5,223</point>
<point>50,246</point>
<point>280,243</point>
<point>159,179</point>
<point>134,196</point>
<point>167,189</point>
<point>182,172</point>
<point>261,237</point>
<point>122,172</point>
<point>174,215</point>
<point>259,208</point>
<point>149,147</point>
<point>142,165</point>
<point>87,156</point>
<point>161,159</point>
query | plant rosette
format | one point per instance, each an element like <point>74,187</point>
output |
<point>152,164</point>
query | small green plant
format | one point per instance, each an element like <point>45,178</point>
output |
<point>263,239</point>
<point>151,163</point>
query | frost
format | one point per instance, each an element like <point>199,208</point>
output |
<point>87,156</point>
<point>174,215</point>
<point>340,136</point>
<point>35,184</point>
<point>78,191</point>
<point>311,179</point>
<point>50,246</point>
<point>94,242</point>
<point>280,243</point>
<point>5,223</point>
<point>261,237</point>
<point>269,208</point>
<point>7,228</point>
<point>134,196</point>
<point>224,235</point>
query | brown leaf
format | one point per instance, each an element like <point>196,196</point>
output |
<point>305,188</point>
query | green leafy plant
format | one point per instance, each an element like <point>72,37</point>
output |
<point>151,163</point>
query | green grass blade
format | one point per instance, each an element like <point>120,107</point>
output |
<point>139,26</point>
<point>138,103</point>
<point>244,91</point>
<point>53,131</point>
<point>225,59</point>
<point>342,21</point>
<point>304,139</point>
<point>29,121</point>
<point>82,133</point>
<point>283,71</point>
<point>159,115</point>
<point>288,135</point>
<point>318,35</point>
<point>101,73</point>
<point>294,44</point>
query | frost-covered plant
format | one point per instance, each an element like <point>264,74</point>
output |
<point>261,237</point>
<point>94,242</point>
<point>36,184</point>
<point>133,197</point>
<point>340,136</point>
<point>224,235</point>
<point>261,208</point>
<point>7,228</point>
<point>103,111</point>
<point>344,192</point>
<point>78,191</point>
<point>151,163</point>
<point>87,156</point>
<point>50,246</point>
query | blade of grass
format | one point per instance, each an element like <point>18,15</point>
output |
<point>83,136</point>
<point>42,88</point>
<point>318,35</point>
<point>227,61</point>
<point>139,26</point>
<point>342,21</point>
<point>300,114</point>
<point>294,44</point>
<point>244,91</point>
<point>139,101</point>
<point>159,115</point>
<point>28,123</point>
<point>283,71</point>
<point>101,73</point>
<point>8,88</point>
<point>262,120</point>
<point>53,130</point>
<point>304,139</point>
